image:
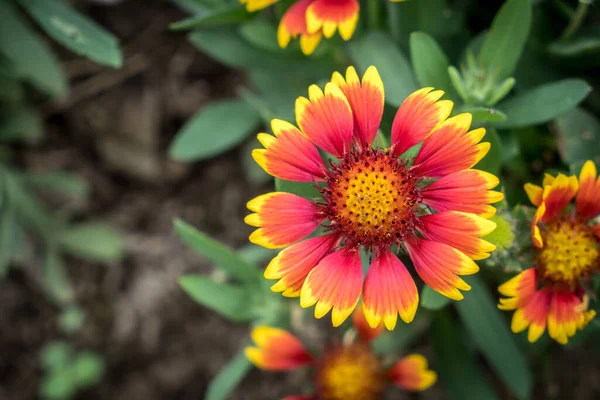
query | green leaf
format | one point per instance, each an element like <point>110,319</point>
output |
<point>71,319</point>
<point>57,385</point>
<point>543,103</point>
<point>20,123</point>
<point>492,162</point>
<point>11,89</point>
<point>457,367</point>
<point>261,34</point>
<point>378,49</point>
<point>75,31</point>
<point>55,279</point>
<point>31,58</point>
<point>8,238</point>
<point>578,134</point>
<point>88,369</point>
<point>394,342</point>
<point>93,241</point>
<point>432,300</point>
<point>430,63</point>
<point>229,14</point>
<point>255,254</point>
<point>584,49</point>
<point>213,130</point>
<point>483,114</point>
<point>503,44</point>
<point>302,189</point>
<point>489,331</point>
<point>222,256</point>
<point>55,355</point>
<point>221,386</point>
<point>58,181</point>
<point>232,302</point>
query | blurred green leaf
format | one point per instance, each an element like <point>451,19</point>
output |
<point>227,14</point>
<point>578,134</point>
<point>71,319</point>
<point>394,342</point>
<point>31,58</point>
<point>93,241</point>
<point>215,129</point>
<point>75,31</point>
<point>458,369</point>
<point>20,122</point>
<point>432,300</point>
<point>543,103</point>
<point>483,114</point>
<point>261,34</point>
<point>11,89</point>
<point>55,355</point>
<point>228,378</point>
<point>222,256</point>
<point>58,181</point>
<point>302,189</point>
<point>8,239</point>
<point>55,279</point>
<point>88,369</point>
<point>230,301</point>
<point>57,386</point>
<point>492,162</point>
<point>253,171</point>
<point>490,333</point>
<point>430,64</point>
<point>256,254</point>
<point>378,49</point>
<point>506,38</point>
<point>584,49</point>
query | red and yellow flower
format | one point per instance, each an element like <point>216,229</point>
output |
<point>552,294</point>
<point>345,371</point>
<point>432,207</point>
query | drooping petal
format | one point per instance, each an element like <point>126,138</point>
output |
<point>289,155</point>
<point>518,290</point>
<point>326,119</point>
<point>277,350</point>
<point>534,192</point>
<point>364,330</point>
<point>588,197</point>
<point>419,115</point>
<point>334,284</point>
<point>557,195</point>
<point>461,231</point>
<point>534,315</point>
<point>366,100</point>
<point>389,290</point>
<point>450,148</point>
<point>412,373</point>
<point>331,15</point>
<point>282,219</point>
<point>293,264</point>
<point>293,24</point>
<point>466,191</point>
<point>439,266</point>
<point>536,235</point>
<point>566,311</point>
<point>255,5</point>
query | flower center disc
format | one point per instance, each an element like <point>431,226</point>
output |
<point>571,251</point>
<point>350,373</point>
<point>371,198</point>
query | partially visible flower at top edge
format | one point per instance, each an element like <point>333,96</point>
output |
<point>374,198</point>
<point>553,291</point>
<point>344,371</point>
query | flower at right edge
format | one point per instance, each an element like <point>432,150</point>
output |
<point>553,292</point>
<point>344,371</point>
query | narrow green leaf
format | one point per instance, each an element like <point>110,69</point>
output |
<point>261,34</point>
<point>55,279</point>
<point>228,378</point>
<point>578,133</point>
<point>302,189</point>
<point>430,63</point>
<point>232,302</point>
<point>255,254</point>
<point>492,162</point>
<point>222,256</point>
<point>543,103</point>
<point>432,300</point>
<point>582,46</point>
<point>378,49</point>
<point>8,238</point>
<point>503,44</point>
<point>489,331</point>
<point>402,336</point>
<point>29,55</point>
<point>457,368</point>
<point>20,123</point>
<point>11,90</point>
<point>229,14</point>
<point>483,114</point>
<point>92,241</point>
<point>75,31</point>
<point>213,130</point>
<point>58,181</point>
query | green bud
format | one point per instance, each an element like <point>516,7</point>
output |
<point>458,82</point>
<point>499,91</point>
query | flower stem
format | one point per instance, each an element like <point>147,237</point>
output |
<point>373,13</point>
<point>576,20</point>
<point>393,12</point>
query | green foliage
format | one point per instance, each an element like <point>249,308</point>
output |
<point>430,64</point>
<point>229,14</point>
<point>578,133</point>
<point>432,300</point>
<point>228,378</point>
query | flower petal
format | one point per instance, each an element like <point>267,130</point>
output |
<point>536,235</point>
<point>519,290</point>
<point>366,100</point>
<point>293,264</point>
<point>450,148</point>
<point>439,266</point>
<point>412,373</point>
<point>558,194</point>
<point>389,290</point>
<point>364,330</point>
<point>534,315</point>
<point>419,115</point>
<point>289,155</point>
<point>334,284</point>
<point>329,15</point>
<point>326,119</point>
<point>255,5</point>
<point>277,350</point>
<point>588,197</point>
<point>461,231</point>
<point>534,192</point>
<point>465,191</point>
<point>282,218</point>
<point>566,310</point>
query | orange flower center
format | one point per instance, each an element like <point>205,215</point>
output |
<point>371,198</point>
<point>350,373</point>
<point>571,251</point>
